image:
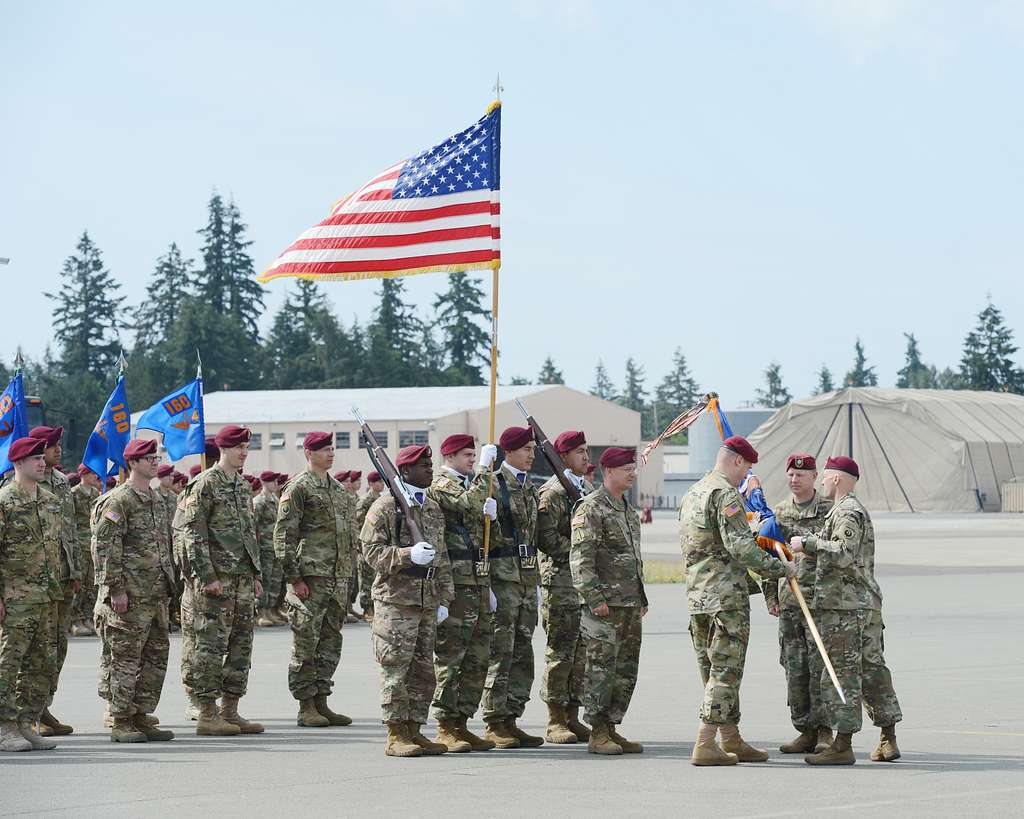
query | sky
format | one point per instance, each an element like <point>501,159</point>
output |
<point>746,181</point>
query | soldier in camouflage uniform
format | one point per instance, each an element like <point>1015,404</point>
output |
<point>802,513</point>
<point>135,577</point>
<point>462,649</point>
<point>70,573</point>
<point>83,496</point>
<point>313,541</point>
<point>265,509</point>
<point>719,549</point>
<point>565,657</point>
<point>165,490</point>
<point>608,574</point>
<point>30,588</point>
<point>219,537</point>
<point>411,594</point>
<point>374,487</point>
<point>515,582</point>
<point>847,606</point>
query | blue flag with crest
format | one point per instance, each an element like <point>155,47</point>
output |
<point>179,416</point>
<point>111,435</point>
<point>13,419</point>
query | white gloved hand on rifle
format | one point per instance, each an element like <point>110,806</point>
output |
<point>442,614</point>
<point>491,509</point>
<point>493,602</point>
<point>422,553</point>
<point>488,455</point>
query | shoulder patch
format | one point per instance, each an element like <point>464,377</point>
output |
<point>731,509</point>
<point>110,514</point>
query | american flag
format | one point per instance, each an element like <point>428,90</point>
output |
<point>436,212</point>
<point>684,420</point>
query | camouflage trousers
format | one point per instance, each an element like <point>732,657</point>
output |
<point>27,658</point>
<point>271,578</point>
<point>134,662</point>
<point>856,646</point>
<point>65,612</point>
<point>462,653</point>
<point>403,645</point>
<point>613,657</point>
<point>316,636</point>
<point>565,653</point>
<point>803,688</point>
<point>720,643</point>
<point>223,628</point>
<point>85,599</point>
<point>366,577</point>
<point>510,672</point>
<point>188,637</point>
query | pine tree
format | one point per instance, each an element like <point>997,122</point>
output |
<point>915,374</point>
<point>633,396</point>
<point>212,280</point>
<point>603,387</point>
<point>466,342</point>
<point>519,381</point>
<point>549,374</point>
<point>825,384</point>
<point>170,286</point>
<point>86,319</point>
<point>244,293</point>
<point>861,375</point>
<point>774,395</point>
<point>948,379</point>
<point>987,362</point>
<point>393,336</point>
<point>678,391</point>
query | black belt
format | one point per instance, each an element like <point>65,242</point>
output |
<point>426,572</point>
<point>522,550</point>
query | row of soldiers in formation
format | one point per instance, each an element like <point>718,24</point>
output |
<point>451,626</point>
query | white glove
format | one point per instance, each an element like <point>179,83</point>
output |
<point>491,508</point>
<point>493,603</point>
<point>442,614</point>
<point>422,553</point>
<point>538,598</point>
<point>488,455</point>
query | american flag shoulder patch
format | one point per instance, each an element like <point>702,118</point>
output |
<point>732,509</point>
<point>110,514</point>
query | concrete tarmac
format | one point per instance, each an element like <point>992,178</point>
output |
<point>954,613</point>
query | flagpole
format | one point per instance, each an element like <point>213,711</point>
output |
<point>122,365</point>
<point>203,465</point>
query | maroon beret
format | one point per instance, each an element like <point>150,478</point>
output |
<point>282,477</point>
<point>111,482</point>
<point>355,474</point>
<point>741,446</point>
<point>341,475</point>
<point>569,440</point>
<point>591,469</point>
<point>256,484</point>
<point>317,440</point>
<point>248,478</point>
<point>805,462</point>
<point>268,475</point>
<point>843,464</point>
<point>164,470</point>
<point>51,435</point>
<point>139,448</point>
<point>410,454</point>
<point>230,436</point>
<point>82,469</point>
<point>74,479</point>
<point>618,456</point>
<point>373,477</point>
<point>194,470</point>
<point>25,448</point>
<point>212,451</point>
<point>515,438</point>
<point>180,477</point>
<point>456,443</point>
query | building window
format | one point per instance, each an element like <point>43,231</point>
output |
<point>256,440</point>
<point>342,440</point>
<point>299,437</point>
<point>382,439</point>
<point>277,440</point>
<point>413,437</point>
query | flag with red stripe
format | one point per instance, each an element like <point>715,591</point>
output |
<point>436,212</point>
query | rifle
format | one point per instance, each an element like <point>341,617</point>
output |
<point>382,463</point>
<point>551,455</point>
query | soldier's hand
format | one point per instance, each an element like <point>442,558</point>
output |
<point>3,611</point>
<point>773,610</point>
<point>442,614</point>
<point>422,553</point>
<point>488,455</point>
<point>213,588</point>
<point>796,544</point>
<point>602,610</point>
<point>492,601</point>
<point>300,588</point>
<point>119,602</point>
<point>790,568</point>
<point>491,509</point>
<point>258,589</point>
<point>755,522</point>
<point>76,585</point>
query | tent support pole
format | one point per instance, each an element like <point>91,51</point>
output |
<point>886,456</point>
<point>849,428</point>
<point>821,446</point>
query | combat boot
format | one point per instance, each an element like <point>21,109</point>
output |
<point>193,705</point>
<point>601,741</point>
<point>706,751</point>
<point>525,740</point>
<point>399,744</point>
<point>320,703</point>
<point>429,748</point>
<point>81,630</point>
<point>309,717</point>
<point>50,726</point>
<point>27,728</point>
<point>582,731</point>
<point>448,735</point>
<point>11,739</point>
<point>824,739</point>
<point>229,713</point>
<point>498,733</point>
<point>124,730</point>
<point>804,744</point>
<point>887,750</point>
<point>142,724</point>
<point>210,723</point>
<point>368,615</point>
<point>838,753</point>
<point>264,621</point>
<point>475,743</point>
<point>627,745</point>
<point>558,726</point>
<point>733,743</point>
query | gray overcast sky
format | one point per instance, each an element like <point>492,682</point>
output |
<point>746,181</point>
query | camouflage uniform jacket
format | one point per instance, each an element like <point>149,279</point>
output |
<point>462,502</point>
<point>57,483</point>
<point>170,505</point>
<point>351,500</point>
<point>218,532</point>
<point>516,527</point>
<point>719,548</point>
<point>554,533</point>
<point>605,553</point>
<point>83,497</point>
<point>313,534</point>
<point>362,507</point>
<point>801,519</point>
<point>265,507</point>
<point>133,554</point>
<point>844,552</point>
<point>399,580</point>
<point>30,546</point>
